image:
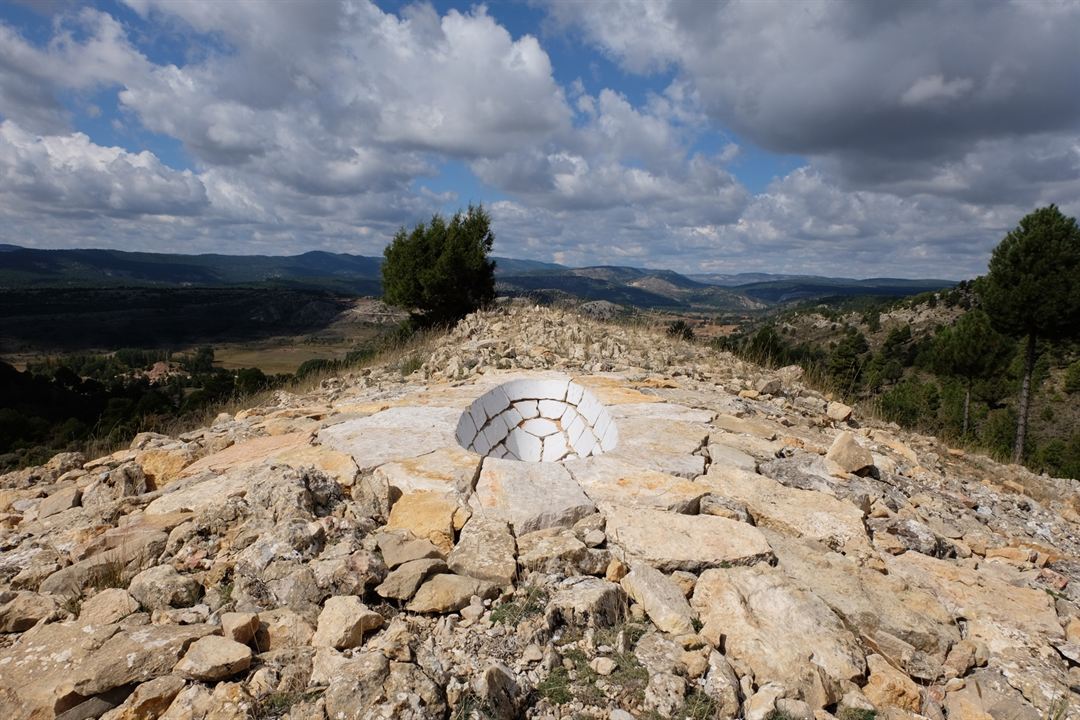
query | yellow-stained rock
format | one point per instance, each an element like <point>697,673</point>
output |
<point>428,515</point>
<point>888,687</point>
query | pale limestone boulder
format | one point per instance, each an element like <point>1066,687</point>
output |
<point>149,700</point>
<point>401,547</point>
<point>838,411</point>
<point>24,611</point>
<point>448,593</point>
<point>783,634</point>
<point>666,446</point>
<point>608,479</point>
<point>136,655</point>
<point>392,435</point>
<point>430,516</point>
<point>551,550</point>
<point>590,601</point>
<point>214,658</point>
<point>132,552</point>
<point>343,622</point>
<point>403,582</point>
<point>791,511</point>
<point>848,454</point>
<point>448,470</point>
<point>725,455</point>
<point>722,685</point>
<point>746,426</point>
<point>107,607</point>
<point>529,496</point>
<point>887,687</point>
<point>239,626</point>
<point>485,550</point>
<point>670,541</point>
<point>63,499</point>
<point>283,628</point>
<point>338,465</point>
<point>662,599</point>
<point>499,690</point>
<point>161,587</point>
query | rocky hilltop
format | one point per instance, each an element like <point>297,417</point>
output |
<point>726,543</point>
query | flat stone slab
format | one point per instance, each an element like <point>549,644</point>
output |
<point>392,435</point>
<point>248,452</point>
<point>670,541</point>
<point>607,479</point>
<point>529,496</point>
<point>448,470</point>
<point>667,411</point>
<point>664,445</point>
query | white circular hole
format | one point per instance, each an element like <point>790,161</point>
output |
<point>539,420</point>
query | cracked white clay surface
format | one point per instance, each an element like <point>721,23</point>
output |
<point>537,420</point>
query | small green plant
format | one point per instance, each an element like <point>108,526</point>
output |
<point>514,611</point>
<point>680,329</point>
<point>699,706</point>
<point>410,364</point>
<point>556,687</point>
<point>851,713</point>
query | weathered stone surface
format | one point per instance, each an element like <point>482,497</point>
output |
<point>282,628</point>
<point>662,599</point>
<point>149,700</point>
<point>667,446</point>
<point>848,455</point>
<point>589,601</point>
<point>107,607</point>
<point>551,550</point>
<point>745,426</point>
<point>161,586</point>
<point>59,501</point>
<point>449,470</point>
<point>722,685</point>
<point>781,633</point>
<point>136,655</point>
<point>867,600</point>
<point>723,455</point>
<point>403,582</point>
<point>499,691</point>
<point>838,411</point>
<point>401,547</point>
<point>428,515</point>
<point>530,496</point>
<point>485,550</point>
<point>670,541</point>
<point>24,611</point>
<point>120,563</point>
<point>239,626</point>
<point>249,452</point>
<point>344,620</point>
<point>446,593</point>
<point>607,479</point>
<point>338,465</point>
<point>801,513</point>
<point>392,435</point>
<point>887,687</point>
<point>214,658</point>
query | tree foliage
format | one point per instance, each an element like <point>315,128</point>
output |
<point>441,271</point>
<point>1033,291</point>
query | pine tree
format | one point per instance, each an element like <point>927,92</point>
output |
<point>1033,291</point>
<point>441,272</point>
<point>969,350</point>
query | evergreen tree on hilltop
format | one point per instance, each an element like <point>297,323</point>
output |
<point>969,350</point>
<point>1032,291</point>
<point>441,272</point>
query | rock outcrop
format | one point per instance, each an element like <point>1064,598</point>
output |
<point>746,547</point>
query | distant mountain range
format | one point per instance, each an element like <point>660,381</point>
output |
<point>22,268</point>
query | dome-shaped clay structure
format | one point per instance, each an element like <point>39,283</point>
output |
<point>537,421</point>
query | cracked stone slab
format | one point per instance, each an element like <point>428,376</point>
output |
<point>392,435</point>
<point>667,446</point>
<point>670,541</point>
<point>448,470</point>
<point>611,480</point>
<point>529,496</point>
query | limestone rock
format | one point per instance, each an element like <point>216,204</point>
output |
<point>24,611</point>
<point>107,607</point>
<point>669,541</point>
<point>662,599</point>
<point>149,700</point>
<point>589,601</point>
<point>447,593</point>
<point>401,547</point>
<point>551,551</point>
<point>403,582</point>
<point>344,620</point>
<point>214,658</point>
<point>161,586</point>
<point>282,628</point>
<point>485,550</point>
<point>499,691</point>
<point>838,411</point>
<point>530,496</point>
<point>666,446</point>
<point>59,501</point>
<point>427,515</point>
<point>392,435</point>
<point>848,455</point>
<point>722,685</point>
<point>239,626</point>
<point>779,632</point>
<point>447,470</point>
<point>888,687</point>
<point>608,479</point>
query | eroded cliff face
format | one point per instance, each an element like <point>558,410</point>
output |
<point>743,547</point>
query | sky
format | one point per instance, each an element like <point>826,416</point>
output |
<point>858,139</point>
